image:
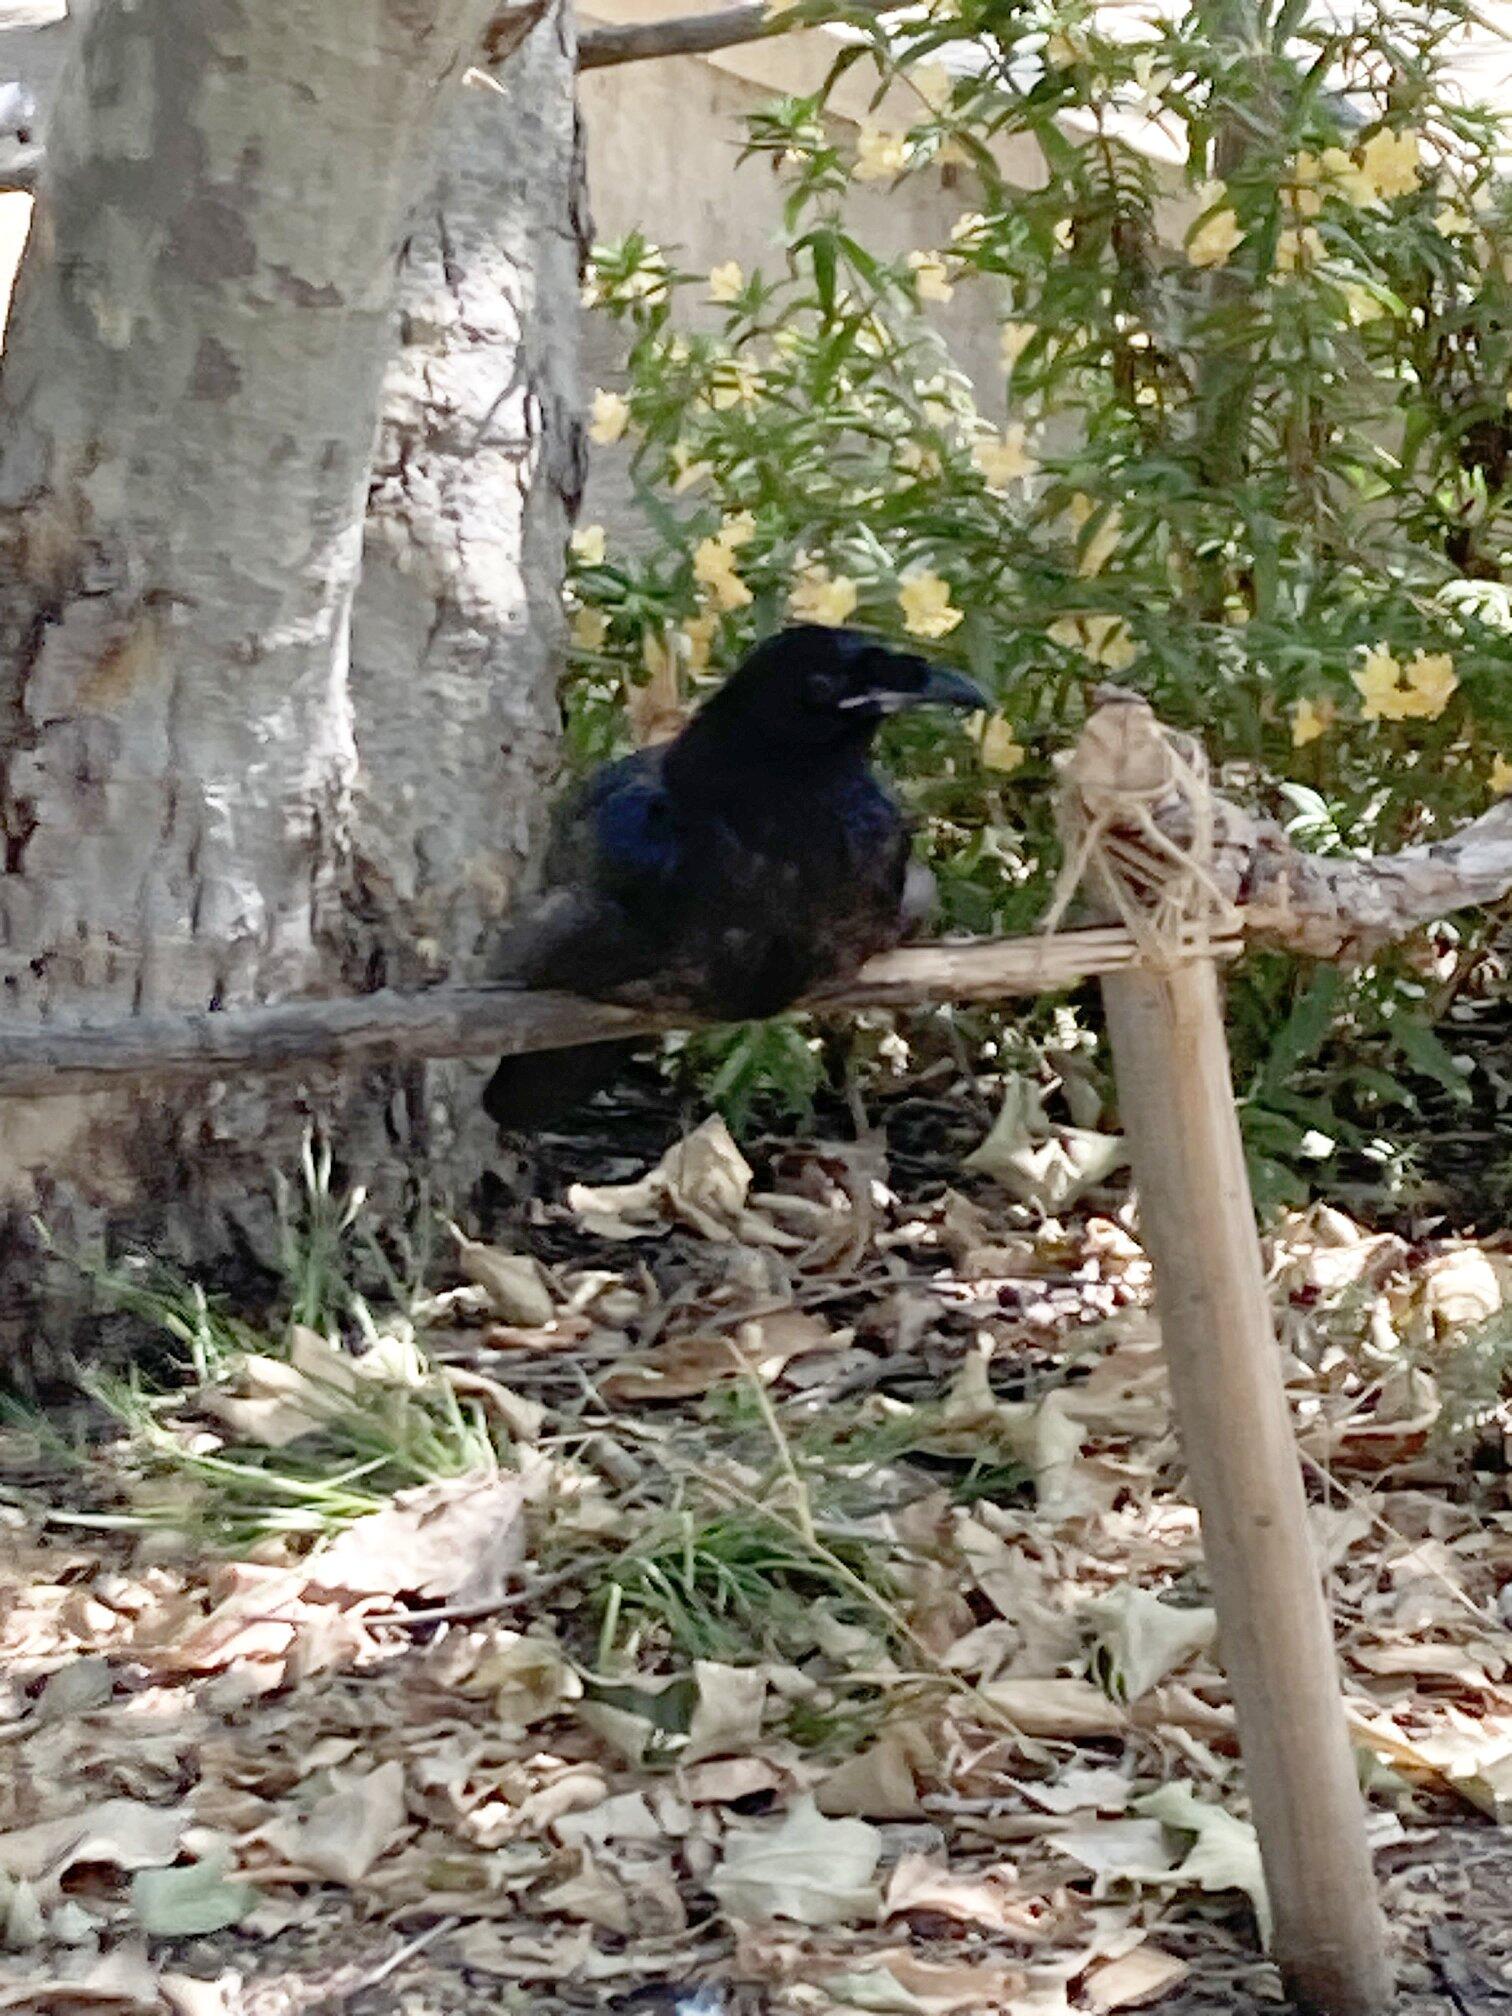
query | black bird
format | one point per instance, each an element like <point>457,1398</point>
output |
<point>729,871</point>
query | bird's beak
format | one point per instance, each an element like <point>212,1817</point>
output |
<point>900,681</point>
<point>944,688</point>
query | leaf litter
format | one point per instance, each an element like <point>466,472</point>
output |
<point>733,1591</point>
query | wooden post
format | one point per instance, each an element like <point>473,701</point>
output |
<point>1171,1059</point>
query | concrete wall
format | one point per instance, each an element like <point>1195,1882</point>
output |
<point>663,146</point>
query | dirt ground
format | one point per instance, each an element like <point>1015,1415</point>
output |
<point>830,1633</point>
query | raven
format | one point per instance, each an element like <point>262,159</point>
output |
<point>733,869</point>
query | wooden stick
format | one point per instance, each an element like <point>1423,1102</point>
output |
<point>55,1057</point>
<point>1172,1066</point>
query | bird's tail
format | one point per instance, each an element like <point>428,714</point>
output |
<point>529,1091</point>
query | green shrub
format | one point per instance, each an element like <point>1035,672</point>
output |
<point>1255,465</point>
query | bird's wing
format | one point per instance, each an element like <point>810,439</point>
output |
<point>610,869</point>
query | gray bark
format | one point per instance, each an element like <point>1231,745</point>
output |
<point>458,629</point>
<point>205,800</point>
<point>458,632</point>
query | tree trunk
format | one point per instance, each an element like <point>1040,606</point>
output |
<point>197,351</point>
<point>458,632</point>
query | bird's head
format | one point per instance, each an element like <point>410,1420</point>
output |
<point>814,687</point>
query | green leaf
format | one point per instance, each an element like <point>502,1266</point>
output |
<point>189,1901</point>
<point>1304,1031</point>
<point>1423,1050</point>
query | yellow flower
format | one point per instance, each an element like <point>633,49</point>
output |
<point>1362,304</point>
<point>1102,638</point>
<point>1378,682</point>
<point>1501,777</point>
<point>1420,692</point>
<point>714,567</point>
<point>698,640</point>
<point>967,226</point>
<point>656,655</point>
<point>924,598</point>
<point>1391,162</point>
<point>1151,81</point>
<point>1100,548</point>
<point>1451,222</point>
<point>650,276</point>
<point>822,597</point>
<point>1215,239</point>
<point>1310,720</point>
<point>727,282</point>
<point>1080,508</point>
<point>997,745</point>
<point>1062,50</point>
<point>1064,234</point>
<point>589,629</point>
<point>589,545</point>
<point>1298,249</point>
<point>1015,340</point>
<point>1431,679</point>
<point>734,383</point>
<point>920,460</point>
<point>611,416</point>
<point>1353,181</point>
<point>880,154</point>
<point>1003,461</point>
<point>714,561</point>
<point>689,472</point>
<point>934,84</point>
<point>928,269</point>
<point>1331,173</point>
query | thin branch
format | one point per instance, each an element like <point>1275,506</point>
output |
<point>50,1057</point>
<point>689,34</point>
<point>681,35</point>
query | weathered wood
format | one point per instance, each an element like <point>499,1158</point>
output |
<point>54,1057</point>
<point>1319,906</point>
<point>1197,1221</point>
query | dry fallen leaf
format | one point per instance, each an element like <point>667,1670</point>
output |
<point>514,1283</point>
<point>593,1894</point>
<point>1139,1640</point>
<point>922,1886</point>
<point>1133,1980</point>
<point>343,1834</point>
<point>727,1715</point>
<point>1040,1164</point>
<point>122,1833</point>
<point>812,1870</point>
<point>458,1539</point>
<point>876,1784</point>
<point>1226,1853</point>
<point>1069,1708</point>
<point>702,1181</point>
<point>123,1978</point>
<point>897,1980</point>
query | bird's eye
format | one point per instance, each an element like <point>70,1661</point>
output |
<point>824,688</point>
